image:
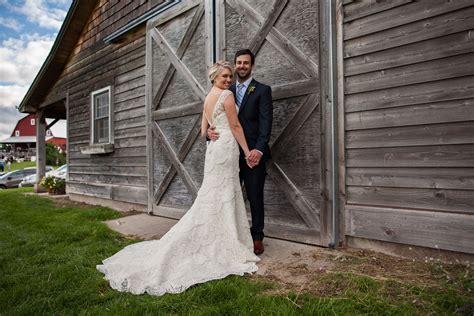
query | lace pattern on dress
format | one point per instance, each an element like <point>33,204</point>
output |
<point>211,241</point>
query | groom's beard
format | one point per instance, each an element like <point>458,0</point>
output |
<point>241,78</point>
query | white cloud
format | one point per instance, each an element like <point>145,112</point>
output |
<point>20,59</point>
<point>11,96</point>
<point>10,23</point>
<point>8,118</point>
<point>38,12</point>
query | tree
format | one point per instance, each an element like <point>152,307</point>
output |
<point>53,156</point>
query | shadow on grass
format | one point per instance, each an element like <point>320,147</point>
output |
<point>48,256</point>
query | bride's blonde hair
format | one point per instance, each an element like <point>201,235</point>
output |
<point>217,68</point>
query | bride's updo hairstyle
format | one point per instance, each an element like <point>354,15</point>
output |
<point>217,68</point>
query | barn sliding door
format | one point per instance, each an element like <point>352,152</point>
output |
<point>284,35</point>
<point>180,46</point>
<point>176,72</point>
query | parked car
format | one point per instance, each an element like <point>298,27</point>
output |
<point>61,172</point>
<point>13,178</point>
<point>30,180</point>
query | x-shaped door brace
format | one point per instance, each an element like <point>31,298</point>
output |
<point>266,31</point>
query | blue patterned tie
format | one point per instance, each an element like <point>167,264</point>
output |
<point>240,93</point>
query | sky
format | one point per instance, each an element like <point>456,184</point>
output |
<point>28,29</point>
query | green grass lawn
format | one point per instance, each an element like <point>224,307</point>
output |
<point>48,254</point>
<point>21,165</point>
<point>24,164</point>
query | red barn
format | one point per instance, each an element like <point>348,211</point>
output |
<point>23,138</point>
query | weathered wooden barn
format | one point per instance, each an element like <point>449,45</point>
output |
<point>373,136</point>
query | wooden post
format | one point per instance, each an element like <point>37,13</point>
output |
<point>221,50</point>
<point>40,149</point>
<point>149,119</point>
<point>66,104</point>
<point>341,117</point>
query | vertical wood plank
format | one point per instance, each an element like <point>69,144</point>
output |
<point>221,49</point>
<point>66,104</point>
<point>149,120</point>
<point>209,29</point>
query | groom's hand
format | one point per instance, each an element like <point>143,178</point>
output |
<point>255,156</point>
<point>250,164</point>
<point>212,134</point>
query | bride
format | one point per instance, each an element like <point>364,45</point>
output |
<point>212,240</point>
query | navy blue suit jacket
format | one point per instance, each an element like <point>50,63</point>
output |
<point>256,116</point>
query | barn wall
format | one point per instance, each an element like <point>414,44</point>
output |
<point>409,121</point>
<point>93,64</point>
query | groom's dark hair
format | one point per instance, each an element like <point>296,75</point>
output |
<point>245,52</point>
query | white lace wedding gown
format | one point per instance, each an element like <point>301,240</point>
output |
<point>211,241</point>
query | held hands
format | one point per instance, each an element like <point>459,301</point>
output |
<point>253,158</point>
<point>212,134</point>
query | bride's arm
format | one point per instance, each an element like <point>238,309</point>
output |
<point>204,123</point>
<point>236,128</point>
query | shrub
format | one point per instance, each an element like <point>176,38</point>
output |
<point>53,184</point>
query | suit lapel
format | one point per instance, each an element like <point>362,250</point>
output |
<point>253,83</point>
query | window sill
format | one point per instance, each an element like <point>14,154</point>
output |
<point>97,149</point>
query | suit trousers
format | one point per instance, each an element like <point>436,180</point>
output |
<point>254,182</point>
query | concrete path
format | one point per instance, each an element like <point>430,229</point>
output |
<point>279,258</point>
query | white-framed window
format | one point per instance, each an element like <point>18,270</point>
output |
<point>48,132</point>
<point>17,133</point>
<point>101,118</point>
<point>33,121</point>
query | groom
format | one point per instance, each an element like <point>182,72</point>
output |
<point>254,101</point>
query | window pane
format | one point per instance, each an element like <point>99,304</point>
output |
<point>101,108</point>
<point>101,102</point>
<point>101,131</point>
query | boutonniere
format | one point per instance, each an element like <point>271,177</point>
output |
<point>250,89</point>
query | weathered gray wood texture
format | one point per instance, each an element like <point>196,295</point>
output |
<point>285,36</point>
<point>92,65</point>
<point>178,75</point>
<point>409,122</point>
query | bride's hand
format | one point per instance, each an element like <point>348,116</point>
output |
<point>212,134</point>
<point>248,161</point>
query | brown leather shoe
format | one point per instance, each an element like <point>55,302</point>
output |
<point>257,247</point>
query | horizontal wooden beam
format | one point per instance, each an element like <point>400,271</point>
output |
<point>178,111</point>
<point>416,156</point>
<point>421,178</point>
<point>402,15</point>
<point>413,227</point>
<point>295,89</point>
